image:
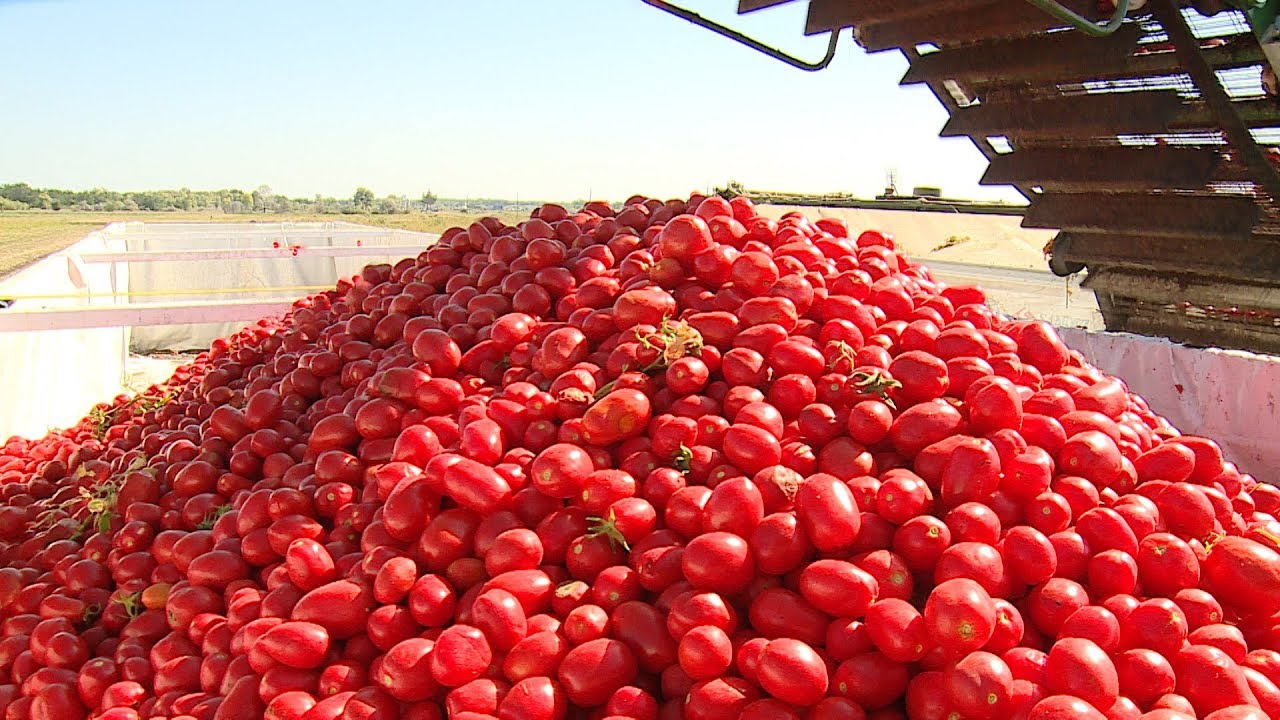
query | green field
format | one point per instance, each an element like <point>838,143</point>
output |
<point>27,236</point>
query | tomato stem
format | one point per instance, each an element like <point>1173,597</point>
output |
<point>211,518</point>
<point>877,383</point>
<point>608,527</point>
<point>683,458</point>
<point>132,604</point>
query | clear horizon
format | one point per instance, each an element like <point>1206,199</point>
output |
<point>498,99</point>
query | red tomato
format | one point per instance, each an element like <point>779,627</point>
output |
<point>838,588</point>
<point>779,544</point>
<point>705,652</point>
<point>994,404</point>
<point>1243,573</point>
<point>980,685</point>
<point>296,644</point>
<point>593,671</point>
<point>922,425</point>
<point>1064,707</point>
<point>561,471</point>
<point>1095,623</point>
<point>534,698</point>
<point>923,376</point>
<point>1079,667</point>
<point>617,416</point>
<point>959,615</point>
<point>920,541</point>
<point>1029,555</point>
<point>1210,680</point>
<point>791,671</point>
<point>461,654</point>
<point>718,561</point>
<point>712,698</point>
<point>339,607</point>
<point>1157,624</point>
<point>1050,604</point>
<point>778,612</point>
<point>903,496</point>
<point>871,680</point>
<point>828,513</point>
<point>898,630</point>
<point>1092,455</point>
<point>499,615</point>
<point>751,448</point>
<point>869,422</point>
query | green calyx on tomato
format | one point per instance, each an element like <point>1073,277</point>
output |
<point>683,458</point>
<point>608,527</point>
<point>211,518</point>
<point>875,383</point>
<point>132,604</point>
<point>672,341</point>
<point>93,611</point>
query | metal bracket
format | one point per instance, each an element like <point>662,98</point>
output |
<point>750,42</point>
<point>1085,25</point>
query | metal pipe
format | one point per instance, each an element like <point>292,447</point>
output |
<point>1085,25</point>
<point>750,42</point>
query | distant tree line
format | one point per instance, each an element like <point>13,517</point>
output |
<point>21,196</point>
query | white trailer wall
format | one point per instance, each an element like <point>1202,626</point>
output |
<point>50,378</point>
<point>1232,397</point>
<point>152,279</point>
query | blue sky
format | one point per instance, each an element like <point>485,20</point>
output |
<point>548,99</point>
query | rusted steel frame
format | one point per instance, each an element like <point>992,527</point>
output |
<point>1076,116</point>
<point>980,142</point>
<point>1173,288</point>
<point>1199,332</point>
<point>834,14</point>
<point>1252,113</point>
<point>1003,19</point>
<point>1109,168</point>
<point>746,6</point>
<point>1254,259</point>
<point>1138,66</point>
<point>1218,217</point>
<point>1047,57</point>
<point>1233,127</point>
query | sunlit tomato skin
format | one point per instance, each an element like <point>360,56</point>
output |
<point>617,416</point>
<point>791,671</point>
<point>657,460</point>
<point>960,615</point>
<point>718,561</point>
<point>828,512</point>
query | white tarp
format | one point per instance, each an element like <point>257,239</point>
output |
<point>49,379</point>
<point>1230,396</point>
<point>236,276</point>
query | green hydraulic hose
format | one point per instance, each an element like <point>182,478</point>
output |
<point>1085,25</point>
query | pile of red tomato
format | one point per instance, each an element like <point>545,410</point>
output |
<point>673,460</point>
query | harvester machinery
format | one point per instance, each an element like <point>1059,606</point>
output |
<point>1145,132</point>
